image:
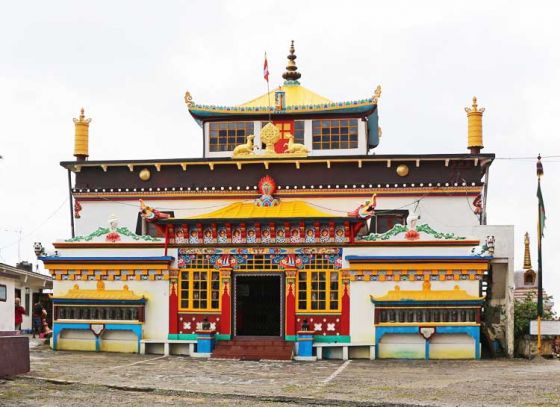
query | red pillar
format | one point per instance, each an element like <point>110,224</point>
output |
<point>173,307</point>
<point>290,303</point>
<point>225,317</point>
<point>345,313</point>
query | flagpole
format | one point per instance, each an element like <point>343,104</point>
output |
<point>540,308</point>
<point>267,88</point>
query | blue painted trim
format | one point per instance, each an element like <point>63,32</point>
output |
<point>472,331</point>
<point>58,259</point>
<point>373,129</point>
<point>59,327</point>
<point>203,114</point>
<point>476,259</point>
<point>332,338</point>
<point>382,330</point>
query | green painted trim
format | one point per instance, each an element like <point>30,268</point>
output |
<point>172,336</point>
<point>223,337</point>
<point>292,338</point>
<point>187,337</point>
<point>331,339</point>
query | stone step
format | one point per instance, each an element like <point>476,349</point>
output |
<point>254,349</point>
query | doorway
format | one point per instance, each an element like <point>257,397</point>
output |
<point>258,305</point>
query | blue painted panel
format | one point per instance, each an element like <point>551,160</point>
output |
<point>59,327</point>
<point>373,132</point>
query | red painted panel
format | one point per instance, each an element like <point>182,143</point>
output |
<point>173,308</point>
<point>225,324</point>
<point>345,317</point>
<point>290,311</point>
<point>322,324</point>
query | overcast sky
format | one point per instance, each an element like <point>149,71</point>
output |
<point>130,62</point>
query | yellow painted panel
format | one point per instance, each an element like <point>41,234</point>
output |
<point>76,344</point>
<point>401,351</point>
<point>119,346</point>
<point>452,351</point>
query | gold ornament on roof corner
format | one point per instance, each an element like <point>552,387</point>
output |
<point>402,170</point>
<point>189,100</point>
<point>145,174</point>
<point>376,94</point>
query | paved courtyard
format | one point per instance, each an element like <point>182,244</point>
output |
<point>90,379</point>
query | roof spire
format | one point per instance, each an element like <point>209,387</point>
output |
<point>291,75</point>
<point>527,258</point>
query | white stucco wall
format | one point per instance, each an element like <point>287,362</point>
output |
<point>443,213</point>
<point>7,307</point>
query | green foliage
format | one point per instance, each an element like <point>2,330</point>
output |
<point>525,311</point>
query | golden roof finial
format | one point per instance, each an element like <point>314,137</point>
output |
<point>291,75</point>
<point>376,94</point>
<point>474,118</point>
<point>527,257</point>
<point>81,136</point>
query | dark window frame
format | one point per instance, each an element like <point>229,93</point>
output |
<point>396,215</point>
<point>151,230</point>
<point>5,292</point>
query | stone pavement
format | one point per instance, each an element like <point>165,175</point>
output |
<point>71,378</point>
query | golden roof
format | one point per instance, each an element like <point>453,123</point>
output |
<point>296,95</point>
<point>100,293</point>
<point>245,210</point>
<point>426,294</point>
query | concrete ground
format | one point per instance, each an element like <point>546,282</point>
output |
<point>90,379</point>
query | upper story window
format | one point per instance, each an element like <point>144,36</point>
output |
<point>225,136</point>
<point>335,134</point>
<point>295,127</point>
<point>382,222</point>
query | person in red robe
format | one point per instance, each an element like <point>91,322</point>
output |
<point>19,313</point>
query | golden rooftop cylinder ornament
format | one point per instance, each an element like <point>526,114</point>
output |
<point>527,256</point>
<point>474,117</point>
<point>81,137</point>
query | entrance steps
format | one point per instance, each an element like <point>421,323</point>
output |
<point>254,348</point>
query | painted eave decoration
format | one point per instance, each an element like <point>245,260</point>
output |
<point>100,294</point>
<point>363,107</point>
<point>113,234</point>
<point>410,233</point>
<point>426,294</point>
<point>121,234</point>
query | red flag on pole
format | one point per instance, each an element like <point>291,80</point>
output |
<point>265,69</point>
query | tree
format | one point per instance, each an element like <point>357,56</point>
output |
<point>525,311</point>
